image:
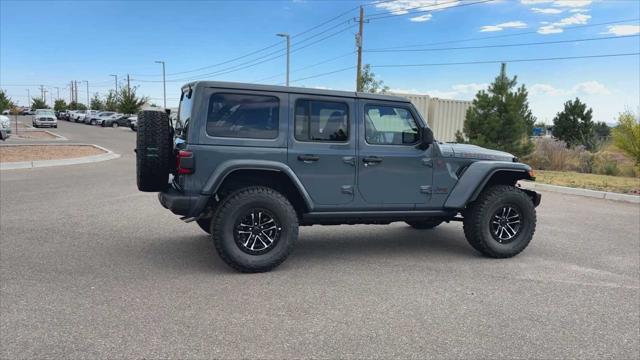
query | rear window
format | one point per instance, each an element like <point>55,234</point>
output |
<point>243,116</point>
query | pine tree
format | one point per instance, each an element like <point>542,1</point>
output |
<point>574,125</point>
<point>60,105</point>
<point>128,102</point>
<point>111,101</point>
<point>5,102</point>
<point>96,102</point>
<point>38,104</point>
<point>500,117</point>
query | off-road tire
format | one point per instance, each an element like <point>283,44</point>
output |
<point>478,216</point>
<point>424,224</point>
<point>154,150</point>
<point>205,225</point>
<point>233,207</point>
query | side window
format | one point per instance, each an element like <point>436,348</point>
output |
<point>321,121</point>
<point>243,116</point>
<point>389,125</point>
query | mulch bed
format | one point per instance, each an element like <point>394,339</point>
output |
<point>20,153</point>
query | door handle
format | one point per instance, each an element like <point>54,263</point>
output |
<point>308,158</point>
<point>371,160</point>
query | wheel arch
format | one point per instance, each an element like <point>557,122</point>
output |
<point>237,173</point>
<point>480,175</point>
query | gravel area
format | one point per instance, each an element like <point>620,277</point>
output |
<point>44,152</point>
<point>33,134</point>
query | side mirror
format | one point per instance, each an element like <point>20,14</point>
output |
<point>426,138</point>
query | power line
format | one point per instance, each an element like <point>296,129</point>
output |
<point>308,66</point>
<point>249,63</point>
<point>324,74</point>
<point>508,60</point>
<point>437,6</point>
<point>502,35</point>
<point>506,45</point>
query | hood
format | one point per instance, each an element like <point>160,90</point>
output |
<point>474,152</point>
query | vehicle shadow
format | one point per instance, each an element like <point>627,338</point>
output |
<point>381,241</point>
<point>319,245</point>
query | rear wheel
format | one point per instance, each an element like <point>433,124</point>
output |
<point>501,222</point>
<point>424,224</point>
<point>154,150</point>
<point>254,229</point>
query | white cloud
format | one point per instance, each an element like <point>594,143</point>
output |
<point>579,10</point>
<point>506,25</point>
<point>401,7</point>
<point>591,87</point>
<point>559,3</point>
<point>621,30</point>
<point>557,27</point>
<point>458,91</point>
<point>550,11</point>
<point>421,18</point>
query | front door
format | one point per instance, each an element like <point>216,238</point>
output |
<point>322,150</point>
<point>391,169</point>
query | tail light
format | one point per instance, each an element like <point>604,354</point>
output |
<point>184,162</point>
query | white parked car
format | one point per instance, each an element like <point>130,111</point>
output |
<point>78,115</point>
<point>133,123</point>
<point>90,116</point>
<point>104,116</point>
<point>45,117</point>
<point>5,127</point>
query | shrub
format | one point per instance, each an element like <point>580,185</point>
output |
<point>626,136</point>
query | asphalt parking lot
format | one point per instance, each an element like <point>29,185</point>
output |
<point>92,268</point>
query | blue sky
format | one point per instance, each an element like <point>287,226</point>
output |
<point>54,42</point>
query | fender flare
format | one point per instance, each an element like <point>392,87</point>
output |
<point>224,169</point>
<point>476,177</point>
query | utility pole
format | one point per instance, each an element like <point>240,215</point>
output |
<point>42,92</point>
<point>128,85</point>
<point>57,92</point>
<point>285,35</point>
<point>116,76</point>
<point>164,83</point>
<point>44,96</point>
<point>88,102</point>
<point>359,45</point>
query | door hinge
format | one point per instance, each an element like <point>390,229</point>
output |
<point>347,189</point>
<point>425,189</point>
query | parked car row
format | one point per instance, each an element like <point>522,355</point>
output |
<point>5,127</point>
<point>44,118</point>
<point>101,118</point>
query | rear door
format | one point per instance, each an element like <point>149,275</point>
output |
<point>392,171</point>
<point>322,147</point>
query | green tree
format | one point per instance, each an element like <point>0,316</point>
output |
<point>601,129</point>
<point>77,106</point>
<point>500,117</point>
<point>38,103</point>
<point>60,105</point>
<point>96,102</point>
<point>574,125</point>
<point>111,101</point>
<point>626,136</point>
<point>368,83</point>
<point>129,102</point>
<point>5,102</point>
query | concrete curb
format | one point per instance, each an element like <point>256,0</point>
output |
<point>581,192</point>
<point>56,136</point>
<point>108,155</point>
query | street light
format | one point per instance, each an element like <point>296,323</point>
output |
<point>116,76</point>
<point>285,35</point>
<point>88,102</point>
<point>164,83</point>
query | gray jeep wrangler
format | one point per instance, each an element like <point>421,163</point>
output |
<point>250,163</point>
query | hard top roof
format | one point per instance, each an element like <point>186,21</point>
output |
<point>292,89</point>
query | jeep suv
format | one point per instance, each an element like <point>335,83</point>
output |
<point>250,163</point>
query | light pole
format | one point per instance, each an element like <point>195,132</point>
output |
<point>164,83</point>
<point>286,36</point>
<point>88,102</point>
<point>28,98</point>
<point>116,76</point>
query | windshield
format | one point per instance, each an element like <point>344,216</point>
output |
<point>44,112</point>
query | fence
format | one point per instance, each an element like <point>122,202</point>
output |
<point>445,117</point>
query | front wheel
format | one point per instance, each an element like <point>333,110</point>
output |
<point>501,222</point>
<point>254,229</point>
<point>114,125</point>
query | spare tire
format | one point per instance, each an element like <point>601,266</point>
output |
<point>154,151</point>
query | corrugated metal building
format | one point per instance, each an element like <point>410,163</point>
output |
<point>444,116</point>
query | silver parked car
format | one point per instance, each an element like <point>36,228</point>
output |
<point>5,127</point>
<point>45,117</point>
